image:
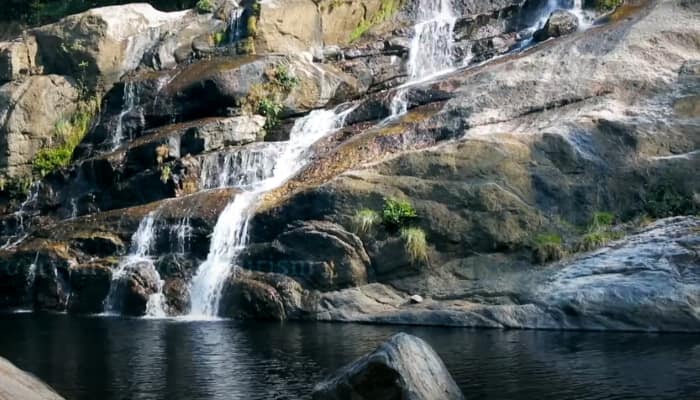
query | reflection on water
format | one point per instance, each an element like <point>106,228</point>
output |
<point>116,358</point>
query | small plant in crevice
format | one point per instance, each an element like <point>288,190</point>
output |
<point>547,248</point>
<point>416,244</point>
<point>205,6</point>
<point>284,78</point>
<point>165,173</point>
<point>365,221</point>
<point>397,213</point>
<point>69,132</point>
<point>266,98</point>
<point>218,38</point>
<point>599,233</point>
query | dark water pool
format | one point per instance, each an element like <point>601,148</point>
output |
<point>115,358</point>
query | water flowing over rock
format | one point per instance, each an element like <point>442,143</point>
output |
<point>404,367</point>
<point>235,152</point>
<point>231,232</point>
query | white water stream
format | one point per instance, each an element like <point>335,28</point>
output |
<point>231,231</point>
<point>431,51</point>
<point>142,242</point>
<point>128,105</point>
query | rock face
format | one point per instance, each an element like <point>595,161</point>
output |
<point>509,164</point>
<point>111,40</point>
<point>29,112</point>
<point>404,367</point>
<point>19,385</point>
<point>560,23</point>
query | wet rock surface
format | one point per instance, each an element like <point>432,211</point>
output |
<point>494,157</point>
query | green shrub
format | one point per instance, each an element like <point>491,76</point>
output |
<point>602,219</point>
<point>666,201</point>
<point>397,213</point>
<point>165,173</point>
<point>547,248</point>
<point>70,132</point>
<point>599,233</point>
<point>218,38</point>
<point>284,78</point>
<point>598,239</point>
<point>365,220</point>
<point>205,6</point>
<point>269,109</point>
<point>416,244</point>
<point>607,5</point>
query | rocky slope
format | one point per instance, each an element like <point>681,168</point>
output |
<point>511,163</point>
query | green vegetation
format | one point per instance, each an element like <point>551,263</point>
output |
<point>598,239</point>
<point>205,6</point>
<point>607,5</point>
<point>600,232</point>
<point>283,78</point>
<point>666,201</point>
<point>266,98</point>
<point>416,244</point>
<point>388,9</point>
<point>69,132</point>
<point>165,173</point>
<point>397,213</point>
<point>270,109</point>
<point>365,220</point>
<point>16,187</point>
<point>548,248</point>
<point>396,216</point>
<point>218,38</point>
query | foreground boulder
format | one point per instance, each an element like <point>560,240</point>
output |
<point>404,367</point>
<point>16,384</point>
<point>560,23</point>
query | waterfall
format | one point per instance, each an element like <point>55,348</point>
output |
<point>231,231</point>
<point>431,50</point>
<point>236,28</point>
<point>142,242</point>
<point>182,233</point>
<point>431,47</point>
<point>128,105</point>
<point>239,168</point>
<point>22,216</point>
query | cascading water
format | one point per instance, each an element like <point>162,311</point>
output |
<point>23,217</point>
<point>431,50</point>
<point>241,167</point>
<point>230,232</point>
<point>128,105</point>
<point>142,242</point>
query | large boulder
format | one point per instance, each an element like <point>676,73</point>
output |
<point>29,112</point>
<point>137,282</point>
<point>404,367</point>
<point>560,23</point>
<point>103,44</point>
<point>16,384</point>
<point>90,284</point>
<point>320,254</point>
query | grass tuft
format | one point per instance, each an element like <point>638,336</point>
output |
<point>416,244</point>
